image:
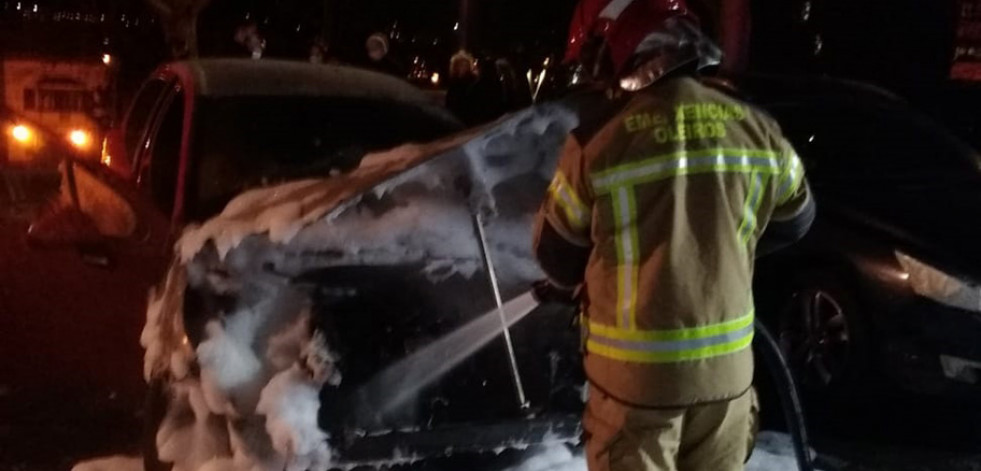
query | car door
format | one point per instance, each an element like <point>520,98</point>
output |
<point>162,155</point>
<point>122,144</point>
<point>893,169</point>
<point>73,311</point>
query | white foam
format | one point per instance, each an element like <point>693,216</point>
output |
<point>290,403</point>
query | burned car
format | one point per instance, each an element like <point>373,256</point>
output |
<point>79,250</point>
<point>358,318</point>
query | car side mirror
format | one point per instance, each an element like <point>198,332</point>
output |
<point>63,226</point>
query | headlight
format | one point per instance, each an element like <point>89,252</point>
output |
<point>21,133</point>
<point>946,289</point>
<point>79,138</point>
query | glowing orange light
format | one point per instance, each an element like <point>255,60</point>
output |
<point>106,158</point>
<point>79,138</point>
<point>21,133</point>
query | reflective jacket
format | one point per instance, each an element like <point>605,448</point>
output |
<point>666,201</point>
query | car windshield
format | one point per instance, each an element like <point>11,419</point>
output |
<point>247,141</point>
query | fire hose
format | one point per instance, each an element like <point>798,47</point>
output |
<point>786,388</point>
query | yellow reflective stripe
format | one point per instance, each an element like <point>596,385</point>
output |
<point>751,209</point>
<point>671,334</point>
<point>573,196</point>
<point>754,185</point>
<point>567,199</point>
<point>790,179</point>
<point>762,183</point>
<point>663,346</point>
<point>685,163</point>
<point>627,248</point>
<point>621,354</point>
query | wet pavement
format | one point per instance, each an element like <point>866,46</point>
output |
<point>848,440</point>
<point>892,432</point>
<point>38,435</point>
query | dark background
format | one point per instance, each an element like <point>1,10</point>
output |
<point>905,46</point>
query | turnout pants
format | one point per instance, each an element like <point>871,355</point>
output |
<point>711,437</point>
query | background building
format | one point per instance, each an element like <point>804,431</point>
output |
<point>69,99</point>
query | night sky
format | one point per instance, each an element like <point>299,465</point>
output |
<point>904,45</point>
<point>423,28</point>
<point>290,26</point>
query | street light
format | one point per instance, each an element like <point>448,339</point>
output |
<point>106,59</point>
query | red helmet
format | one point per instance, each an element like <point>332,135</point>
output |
<point>621,24</point>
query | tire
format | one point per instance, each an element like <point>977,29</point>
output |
<point>823,333</point>
<point>154,411</point>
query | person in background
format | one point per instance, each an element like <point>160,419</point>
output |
<point>380,58</point>
<point>517,93</point>
<point>486,100</point>
<point>462,66</point>
<point>462,78</point>
<point>248,36</point>
<point>318,52</point>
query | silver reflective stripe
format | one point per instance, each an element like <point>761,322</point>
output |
<point>787,186</point>
<point>751,208</point>
<point>628,256</point>
<point>669,168</point>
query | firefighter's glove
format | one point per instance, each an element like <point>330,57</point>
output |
<point>546,292</point>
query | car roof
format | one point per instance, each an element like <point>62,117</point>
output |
<point>769,90</point>
<point>248,77</point>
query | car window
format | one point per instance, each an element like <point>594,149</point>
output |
<point>139,115</point>
<point>165,156</point>
<point>109,211</point>
<point>848,143</point>
<point>243,142</point>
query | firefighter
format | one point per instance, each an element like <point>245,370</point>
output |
<point>656,214</point>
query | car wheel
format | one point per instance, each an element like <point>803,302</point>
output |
<point>822,335</point>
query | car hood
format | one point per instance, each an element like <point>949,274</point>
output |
<point>495,155</point>
<point>934,221</point>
